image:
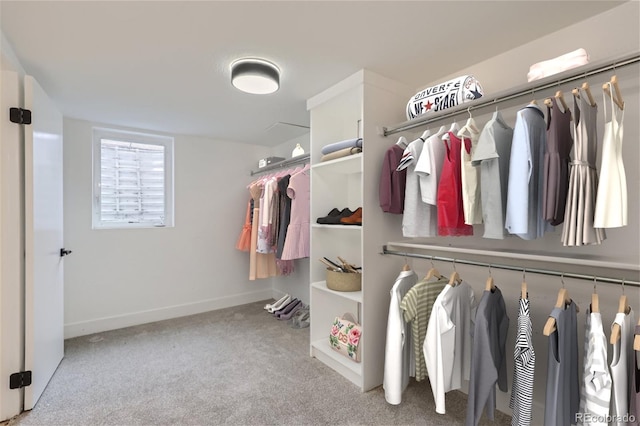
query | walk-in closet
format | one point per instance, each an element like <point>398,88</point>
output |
<point>264,212</point>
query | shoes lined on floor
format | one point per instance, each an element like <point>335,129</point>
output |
<point>342,217</point>
<point>288,308</point>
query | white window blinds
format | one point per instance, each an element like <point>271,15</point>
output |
<point>133,186</point>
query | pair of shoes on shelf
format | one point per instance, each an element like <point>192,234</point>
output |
<point>301,319</point>
<point>353,219</point>
<point>334,216</point>
<point>273,307</point>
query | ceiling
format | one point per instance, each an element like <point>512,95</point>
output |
<point>164,65</point>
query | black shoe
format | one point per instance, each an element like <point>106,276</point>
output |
<point>332,214</point>
<point>335,220</point>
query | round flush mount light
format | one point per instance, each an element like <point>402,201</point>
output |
<point>255,76</point>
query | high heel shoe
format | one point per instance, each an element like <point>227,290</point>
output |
<point>279,301</point>
<point>279,306</point>
<point>286,308</point>
<point>292,312</point>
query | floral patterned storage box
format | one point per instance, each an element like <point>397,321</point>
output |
<point>345,336</point>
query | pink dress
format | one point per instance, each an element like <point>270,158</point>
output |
<point>296,244</point>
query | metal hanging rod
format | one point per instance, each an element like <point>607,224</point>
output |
<point>524,90</point>
<point>512,268</point>
<point>284,163</point>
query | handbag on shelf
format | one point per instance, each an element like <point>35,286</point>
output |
<point>345,336</point>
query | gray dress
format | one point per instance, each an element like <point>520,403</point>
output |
<point>578,227</point>
<point>562,398</point>
<point>556,163</point>
<point>488,360</point>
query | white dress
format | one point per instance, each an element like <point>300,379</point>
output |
<point>621,368</point>
<point>611,201</point>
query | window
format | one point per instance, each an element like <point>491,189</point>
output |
<point>132,180</point>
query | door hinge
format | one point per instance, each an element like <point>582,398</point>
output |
<point>20,115</point>
<point>20,380</point>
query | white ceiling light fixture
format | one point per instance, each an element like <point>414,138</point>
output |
<point>255,76</point>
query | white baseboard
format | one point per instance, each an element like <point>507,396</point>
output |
<point>82,328</point>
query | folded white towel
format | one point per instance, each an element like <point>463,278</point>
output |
<point>561,63</point>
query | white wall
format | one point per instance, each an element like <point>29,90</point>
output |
<point>118,278</point>
<point>612,33</point>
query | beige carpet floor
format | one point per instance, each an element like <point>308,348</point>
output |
<point>237,366</point>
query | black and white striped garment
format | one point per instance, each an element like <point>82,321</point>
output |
<point>524,358</point>
<point>595,390</point>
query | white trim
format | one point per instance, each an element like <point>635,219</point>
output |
<point>83,328</point>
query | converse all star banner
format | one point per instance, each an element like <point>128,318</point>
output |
<point>445,95</point>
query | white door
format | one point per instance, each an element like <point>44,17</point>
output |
<point>11,247</point>
<point>44,291</point>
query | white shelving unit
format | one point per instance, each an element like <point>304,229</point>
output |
<point>352,108</point>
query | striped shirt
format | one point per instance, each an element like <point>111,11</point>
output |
<point>524,358</point>
<point>595,392</point>
<point>416,306</point>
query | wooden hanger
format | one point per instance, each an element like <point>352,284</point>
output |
<point>560,98</point>
<point>623,308</point>
<point>595,302</point>
<point>587,90</point>
<point>523,290</point>
<point>489,286</point>
<point>454,278</point>
<point>617,96</point>
<point>562,301</point>
<point>636,341</point>
<point>433,272</point>
<point>548,102</point>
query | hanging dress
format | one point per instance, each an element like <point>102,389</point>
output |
<point>578,226</point>
<point>450,204</point>
<point>611,201</point>
<point>260,265</point>
<point>556,163</point>
<point>296,244</point>
<point>470,179</point>
<point>285,214</point>
<point>244,240</point>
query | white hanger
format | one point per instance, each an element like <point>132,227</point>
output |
<point>425,134</point>
<point>453,129</point>
<point>469,128</point>
<point>402,142</point>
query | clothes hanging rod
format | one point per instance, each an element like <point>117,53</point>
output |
<point>599,279</point>
<point>304,158</point>
<point>524,90</point>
